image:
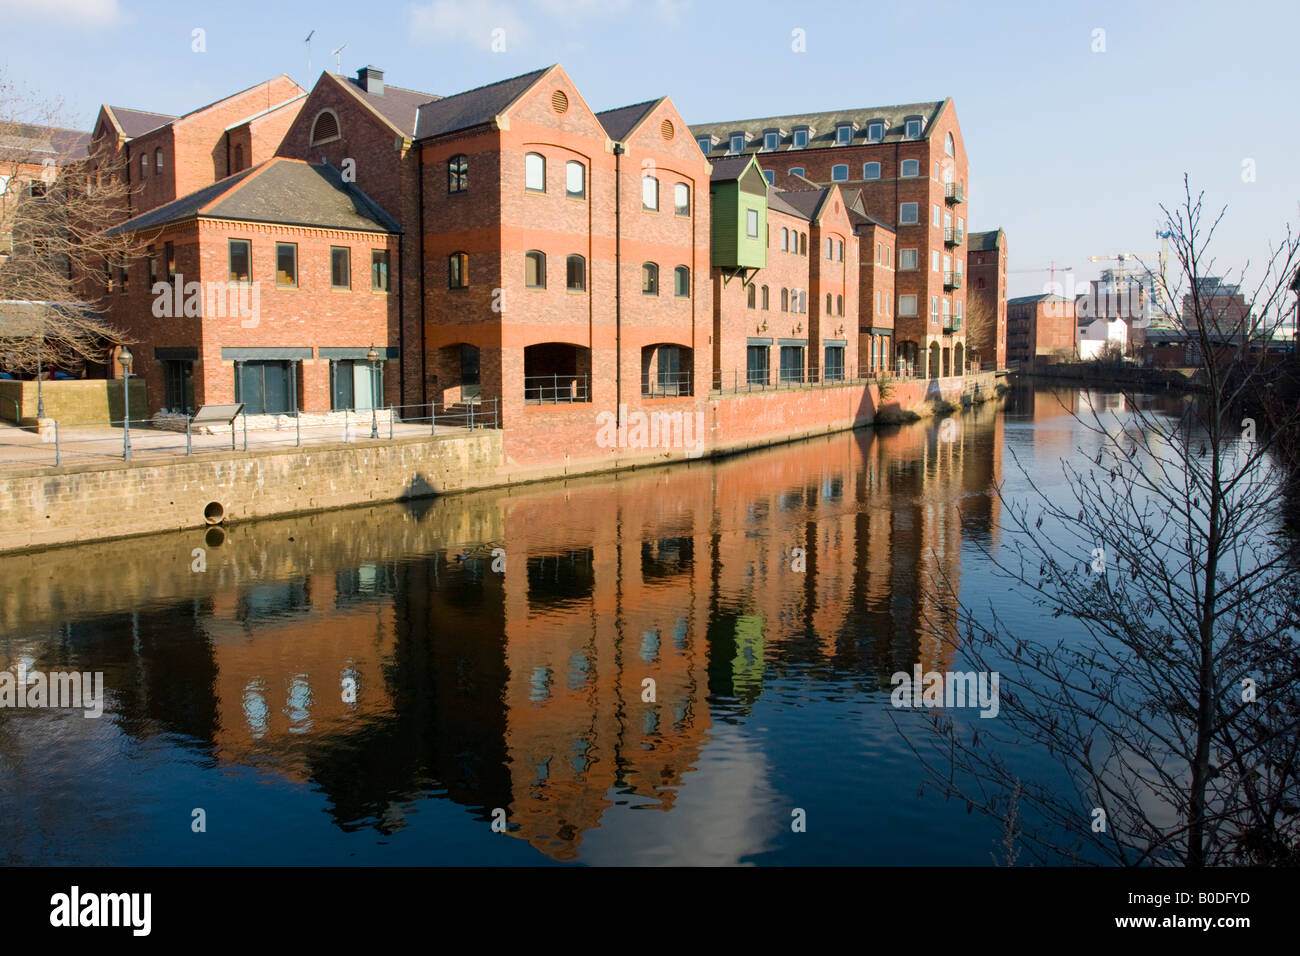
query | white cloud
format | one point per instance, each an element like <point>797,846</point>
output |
<point>66,13</point>
<point>449,21</point>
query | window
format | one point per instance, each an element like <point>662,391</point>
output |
<point>575,180</point>
<point>765,299</point>
<point>907,305</point>
<point>535,270</point>
<point>934,260</point>
<point>751,223</point>
<point>178,386</point>
<point>705,144</point>
<point>144,165</point>
<point>803,243</point>
<point>151,266</point>
<point>354,385</point>
<point>535,172</point>
<point>771,140</point>
<point>756,367</point>
<point>934,310</point>
<point>910,168</point>
<point>769,176</point>
<point>785,300</point>
<point>737,142</point>
<point>750,297</point>
<point>575,274</point>
<point>907,214</point>
<point>934,215</point>
<point>792,363</point>
<point>785,239</point>
<point>682,282</point>
<point>458,271</point>
<point>458,174</point>
<point>123,278</point>
<point>830,248</point>
<point>870,170</point>
<point>913,129</point>
<point>169,254</point>
<point>843,134</point>
<point>839,250</point>
<point>833,369</point>
<point>948,145</point>
<point>325,128</point>
<point>830,302</point>
<point>379,270</point>
<point>649,279</point>
<point>875,131</point>
<point>801,138</point>
<point>839,173</point>
<point>241,260</point>
<point>157,161</point>
<point>796,171</point>
<point>839,305</point>
<point>266,387</point>
<point>286,265</point>
<point>340,267</point>
<point>682,199</point>
<point>650,193</point>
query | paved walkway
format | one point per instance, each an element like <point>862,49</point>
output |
<point>84,444</point>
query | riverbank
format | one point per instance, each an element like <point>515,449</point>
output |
<point>46,506</point>
<point>1119,377</point>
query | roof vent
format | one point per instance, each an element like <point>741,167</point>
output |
<point>371,79</point>
<point>666,129</point>
<point>559,101</point>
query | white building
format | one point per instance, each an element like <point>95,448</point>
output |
<point>1093,334</point>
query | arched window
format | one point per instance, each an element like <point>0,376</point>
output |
<point>535,172</point>
<point>765,299</point>
<point>682,284</point>
<point>751,295</point>
<point>325,127</point>
<point>803,243</point>
<point>839,305</point>
<point>948,145</point>
<point>829,304</point>
<point>157,160</point>
<point>458,174</point>
<point>682,199</point>
<point>649,278</point>
<point>575,180</point>
<point>144,165</point>
<point>650,193</point>
<point>785,300</point>
<point>911,168</point>
<point>840,172</point>
<point>785,239</point>
<point>535,269</point>
<point>458,271</point>
<point>870,170</point>
<point>796,170</point>
<point>575,268</point>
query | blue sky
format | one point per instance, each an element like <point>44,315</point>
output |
<point>1071,151</point>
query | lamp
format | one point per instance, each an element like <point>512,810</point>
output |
<point>372,356</point>
<point>126,360</point>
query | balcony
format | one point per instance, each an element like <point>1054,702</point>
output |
<point>953,235</point>
<point>951,324</point>
<point>954,193</point>
<point>952,280</point>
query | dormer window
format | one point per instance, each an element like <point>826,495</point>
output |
<point>843,134</point>
<point>876,131</point>
<point>706,144</point>
<point>737,142</point>
<point>913,128</point>
<point>771,139</point>
<point>801,137</point>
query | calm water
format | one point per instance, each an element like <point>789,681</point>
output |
<point>363,686</point>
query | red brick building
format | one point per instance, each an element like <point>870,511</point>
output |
<point>909,165</point>
<point>1040,328</point>
<point>986,297</point>
<point>30,158</point>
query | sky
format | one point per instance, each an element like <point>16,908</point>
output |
<point>1079,119</point>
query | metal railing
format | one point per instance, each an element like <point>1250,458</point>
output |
<point>953,235</point>
<point>556,389</point>
<point>666,385</point>
<point>62,443</point>
<point>952,280</point>
<point>754,380</point>
<point>954,192</point>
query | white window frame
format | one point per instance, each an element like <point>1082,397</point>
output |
<point>866,167</point>
<point>841,139</point>
<point>801,134</point>
<point>876,131</point>
<point>903,219</point>
<point>836,168</point>
<point>903,257</point>
<point>907,305</point>
<point>903,167</point>
<point>731,142</point>
<point>771,141</point>
<point>908,127</point>
<point>705,144</point>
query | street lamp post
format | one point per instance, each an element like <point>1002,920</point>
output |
<point>372,356</point>
<point>40,396</point>
<point>126,359</point>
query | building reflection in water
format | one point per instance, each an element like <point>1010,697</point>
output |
<point>376,655</point>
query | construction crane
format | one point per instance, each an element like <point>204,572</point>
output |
<point>1053,269</point>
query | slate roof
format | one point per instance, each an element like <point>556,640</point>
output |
<point>862,219</point>
<point>619,122</point>
<point>729,168</point>
<point>1040,297</point>
<point>138,122</point>
<point>29,143</point>
<point>473,107</point>
<point>283,191</point>
<point>399,106</point>
<point>983,241</point>
<point>806,202</point>
<point>823,126</point>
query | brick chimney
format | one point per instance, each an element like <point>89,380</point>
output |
<point>371,79</point>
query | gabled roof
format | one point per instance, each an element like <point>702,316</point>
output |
<point>807,203</point>
<point>823,126</point>
<point>135,123</point>
<point>473,107</point>
<point>283,191</point>
<point>400,107</point>
<point>729,168</point>
<point>29,143</point>
<point>984,241</point>
<point>619,123</point>
<point>863,219</point>
<point>1041,297</point>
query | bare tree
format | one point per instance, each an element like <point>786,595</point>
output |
<point>1173,703</point>
<point>981,327</point>
<point>56,250</point>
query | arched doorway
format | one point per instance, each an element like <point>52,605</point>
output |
<point>934,359</point>
<point>957,356</point>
